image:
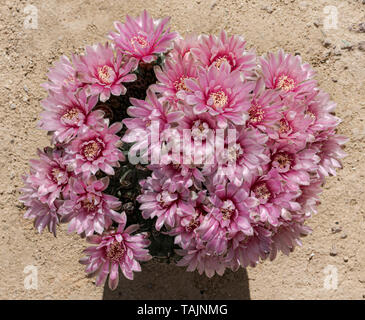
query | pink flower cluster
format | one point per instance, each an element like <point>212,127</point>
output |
<point>244,145</point>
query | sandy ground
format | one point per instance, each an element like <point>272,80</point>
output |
<point>338,241</point>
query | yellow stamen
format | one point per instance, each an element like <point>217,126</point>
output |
<point>91,150</point>
<point>115,252</point>
<point>256,114</point>
<point>105,74</point>
<point>71,115</point>
<point>218,62</point>
<point>219,99</point>
<point>285,83</point>
<point>140,40</point>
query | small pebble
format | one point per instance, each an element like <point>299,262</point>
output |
<point>268,9</point>
<point>361,27</point>
<point>326,43</point>
<point>344,236</point>
<point>25,88</point>
<point>337,52</point>
<point>311,256</point>
<point>12,106</point>
<point>336,229</point>
<point>318,23</point>
<point>345,259</point>
<point>333,251</point>
<point>361,45</point>
<point>347,45</point>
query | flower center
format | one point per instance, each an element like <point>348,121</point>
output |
<point>256,114</point>
<point>194,223</point>
<point>72,116</point>
<point>220,99</point>
<point>180,84</point>
<point>200,130</point>
<point>261,191</point>
<point>116,252</point>
<point>139,40</point>
<point>228,209</point>
<point>285,83</point>
<point>311,114</point>
<point>89,205</point>
<point>58,175</point>
<point>105,74</point>
<point>91,150</point>
<point>218,62</point>
<point>282,160</point>
<point>234,152</point>
<point>163,199</point>
<point>284,126</point>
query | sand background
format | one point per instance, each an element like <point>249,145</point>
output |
<point>66,26</point>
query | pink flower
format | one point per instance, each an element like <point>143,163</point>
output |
<point>113,251</point>
<point>65,113</point>
<point>95,149</point>
<point>62,75</point>
<point>104,72</point>
<point>185,231</point>
<point>319,109</point>
<point>198,258</point>
<point>143,37</point>
<point>160,199</point>
<point>287,73</point>
<point>88,208</point>
<point>265,107</point>
<point>44,215</point>
<point>309,197</point>
<point>272,200</point>
<point>287,237</point>
<point>150,118</point>
<point>49,175</point>
<point>198,134</point>
<point>295,168</point>
<point>182,46</point>
<point>330,152</point>
<point>241,158</point>
<point>292,128</point>
<point>247,251</point>
<point>172,77</point>
<point>222,93</point>
<point>216,50</point>
<point>228,217</point>
<point>178,176</point>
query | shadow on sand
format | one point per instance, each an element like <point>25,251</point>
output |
<point>159,281</point>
